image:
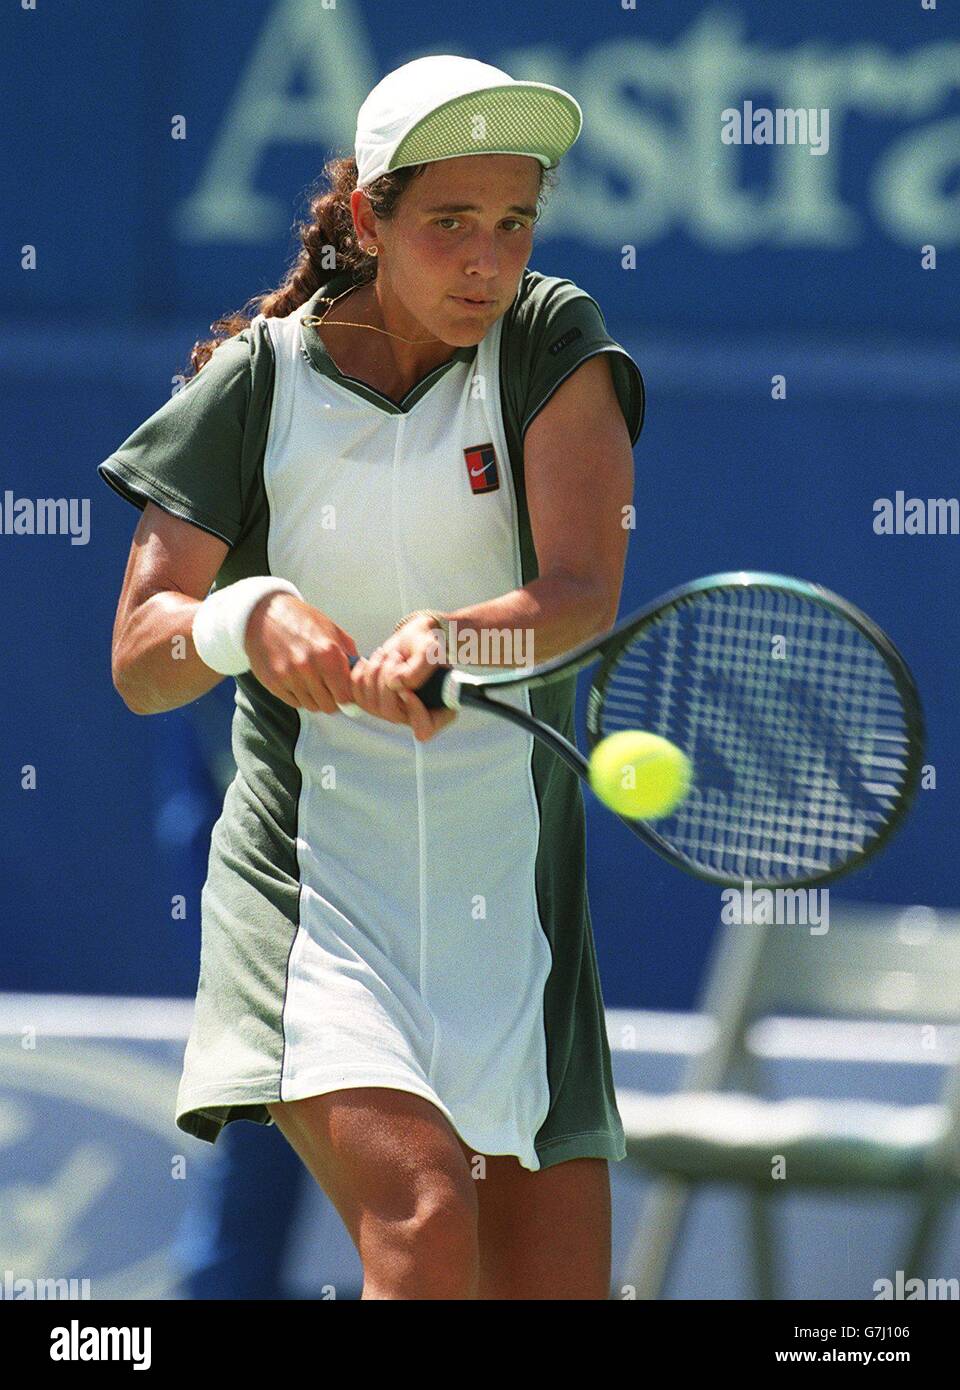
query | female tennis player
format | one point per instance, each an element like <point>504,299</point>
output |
<point>397,963</point>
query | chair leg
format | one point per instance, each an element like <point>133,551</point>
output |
<point>656,1237</point>
<point>761,1225</point>
<point>924,1232</point>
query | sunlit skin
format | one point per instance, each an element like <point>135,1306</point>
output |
<point>462,228</point>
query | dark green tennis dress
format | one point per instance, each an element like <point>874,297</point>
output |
<point>379,912</point>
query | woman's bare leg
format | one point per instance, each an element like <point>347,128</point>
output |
<point>544,1234</point>
<point>394,1168</point>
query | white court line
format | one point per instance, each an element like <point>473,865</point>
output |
<point>811,1039</point>
<point>96,1016</point>
<point>653,1031</point>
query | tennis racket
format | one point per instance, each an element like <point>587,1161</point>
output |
<point>799,716</point>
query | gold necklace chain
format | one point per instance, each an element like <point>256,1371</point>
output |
<point>313,321</point>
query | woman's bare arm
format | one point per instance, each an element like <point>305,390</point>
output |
<point>298,653</point>
<point>170,568</point>
<point>578,467</point>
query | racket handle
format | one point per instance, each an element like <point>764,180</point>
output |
<point>430,693</point>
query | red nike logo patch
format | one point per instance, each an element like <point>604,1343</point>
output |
<point>482,469</point>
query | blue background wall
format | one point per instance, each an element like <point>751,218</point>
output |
<point>749,262</point>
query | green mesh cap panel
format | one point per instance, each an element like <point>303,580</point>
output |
<point>496,120</point>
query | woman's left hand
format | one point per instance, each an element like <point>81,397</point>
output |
<point>384,683</point>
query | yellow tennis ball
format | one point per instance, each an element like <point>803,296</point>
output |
<point>639,775</point>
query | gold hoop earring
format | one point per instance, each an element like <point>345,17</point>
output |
<point>372,250</point>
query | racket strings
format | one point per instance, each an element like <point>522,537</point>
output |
<point>791,718</point>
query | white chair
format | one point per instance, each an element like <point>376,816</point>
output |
<point>874,962</point>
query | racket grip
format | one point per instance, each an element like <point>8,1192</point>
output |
<point>431,692</point>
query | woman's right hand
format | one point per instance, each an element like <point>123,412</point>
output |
<point>299,654</point>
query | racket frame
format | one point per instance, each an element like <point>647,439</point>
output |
<point>456,689</point>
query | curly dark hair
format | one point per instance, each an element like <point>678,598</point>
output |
<point>330,229</point>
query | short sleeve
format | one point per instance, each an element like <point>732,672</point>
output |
<point>192,457</point>
<point>552,328</point>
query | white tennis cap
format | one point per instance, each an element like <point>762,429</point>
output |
<point>444,106</point>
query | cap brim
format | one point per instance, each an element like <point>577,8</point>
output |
<point>529,118</point>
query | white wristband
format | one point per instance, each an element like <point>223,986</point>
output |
<point>220,623</point>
